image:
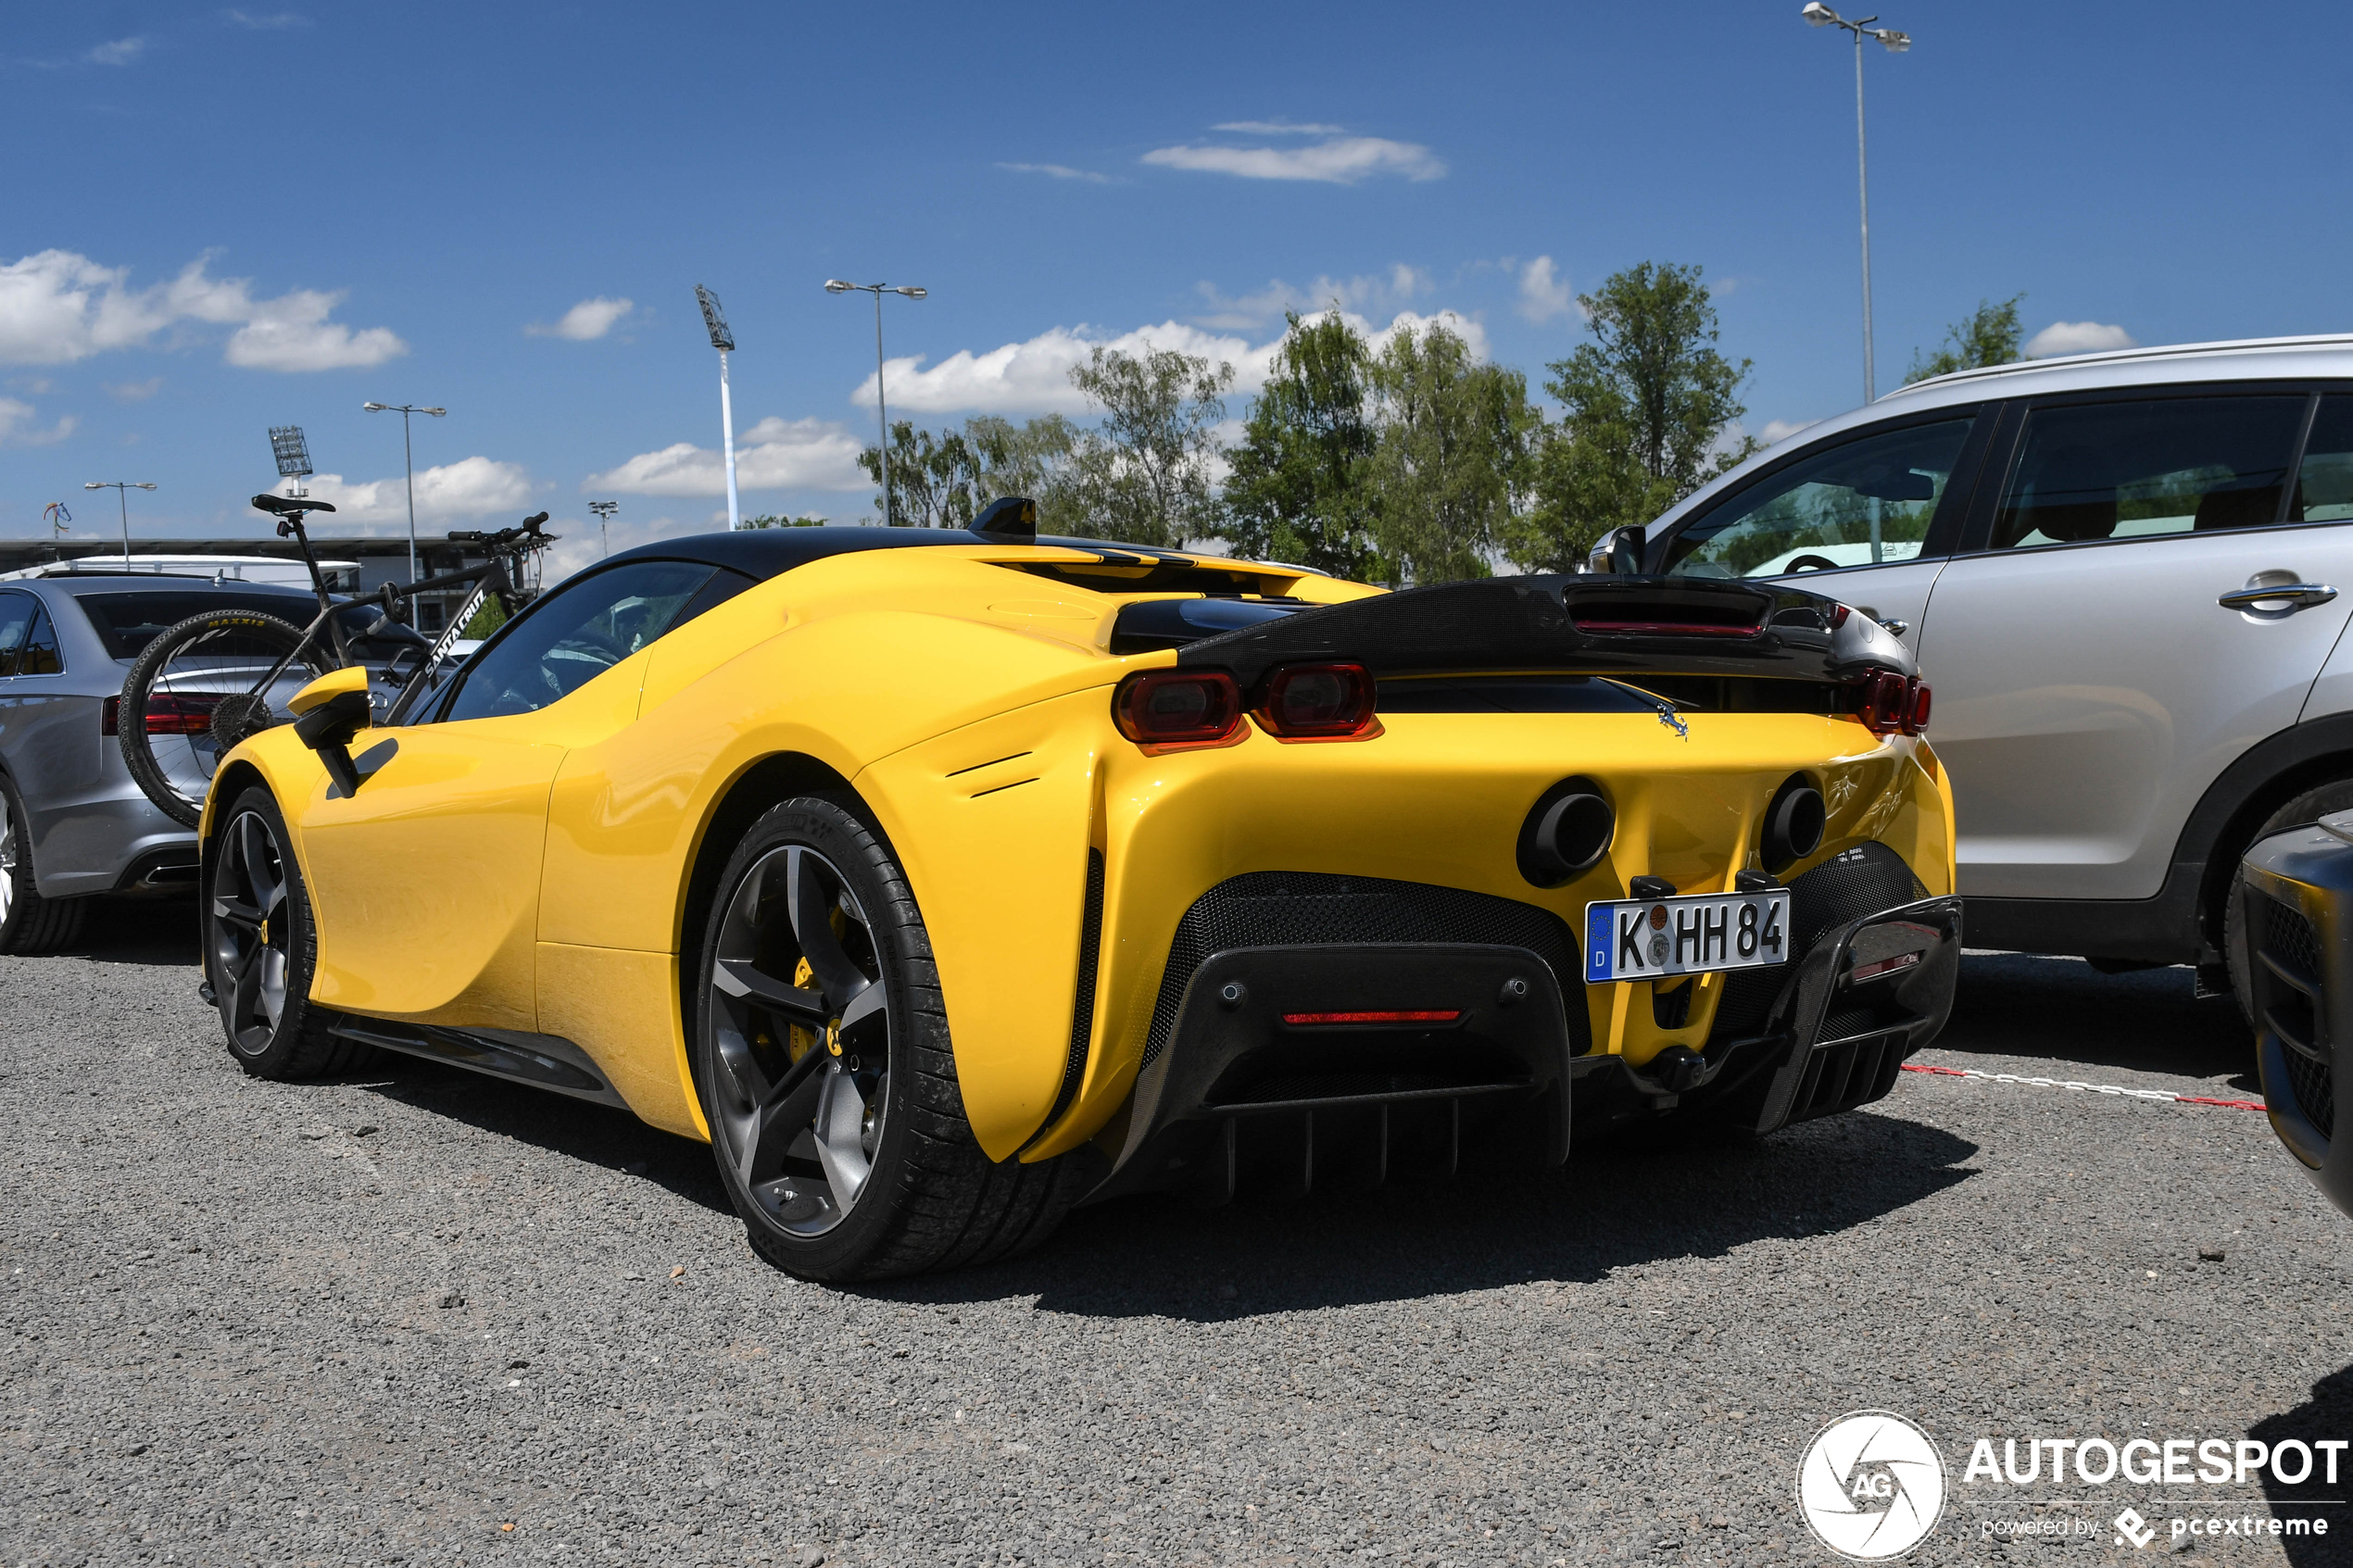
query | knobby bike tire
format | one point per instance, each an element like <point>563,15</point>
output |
<point>269,635</point>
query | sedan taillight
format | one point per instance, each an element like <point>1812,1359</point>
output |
<point>1176,710</point>
<point>1318,702</point>
<point>187,714</point>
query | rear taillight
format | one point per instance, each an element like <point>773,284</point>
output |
<point>190,714</point>
<point>1177,709</point>
<point>1893,704</point>
<point>1916,709</point>
<point>1318,702</point>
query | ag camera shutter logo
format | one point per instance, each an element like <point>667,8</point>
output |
<point>1871,1485</point>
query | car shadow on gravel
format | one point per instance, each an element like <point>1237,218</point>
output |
<point>150,931</point>
<point>2327,1416</point>
<point>1619,1205</point>
<point>594,1135</point>
<point>2067,1012</point>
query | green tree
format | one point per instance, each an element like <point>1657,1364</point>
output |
<point>931,478</point>
<point>1300,486</point>
<point>1988,335</point>
<point>1143,475</point>
<point>1032,459</point>
<point>770,519</point>
<point>1451,456</point>
<point>1646,406</point>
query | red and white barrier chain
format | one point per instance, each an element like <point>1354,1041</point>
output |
<point>2087,1089</point>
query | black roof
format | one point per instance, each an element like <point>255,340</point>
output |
<point>764,553</point>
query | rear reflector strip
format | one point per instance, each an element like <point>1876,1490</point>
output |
<point>1431,1015</point>
<point>1668,629</point>
<point>1883,967</point>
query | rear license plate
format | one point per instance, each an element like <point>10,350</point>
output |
<point>1691,933</point>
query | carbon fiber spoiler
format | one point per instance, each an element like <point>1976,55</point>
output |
<point>1585,626</point>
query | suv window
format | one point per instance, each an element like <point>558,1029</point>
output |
<point>575,634</point>
<point>2153,467</point>
<point>1859,503</point>
<point>2324,482</point>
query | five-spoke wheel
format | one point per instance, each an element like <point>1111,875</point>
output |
<point>800,1035</point>
<point>248,930</point>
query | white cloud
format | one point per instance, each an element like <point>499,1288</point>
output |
<point>775,453</point>
<point>57,307</point>
<point>588,319</point>
<point>134,391</point>
<point>1034,376</point>
<point>1544,293</point>
<point>1777,431</point>
<point>16,428</point>
<point>470,487</point>
<point>2077,337</point>
<point>1279,127</point>
<point>121,51</point>
<point>1342,160</point>
<point>277,22</point>
<point>1402,283</point>
<point>1059,171</point>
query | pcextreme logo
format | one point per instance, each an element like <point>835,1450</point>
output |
<point>1871,1485</point>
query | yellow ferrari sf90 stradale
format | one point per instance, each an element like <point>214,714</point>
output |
<point>943,879</point>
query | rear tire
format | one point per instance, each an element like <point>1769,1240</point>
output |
<point>2311,806</point>
<point>29,925</point>
<point>261,948</point>
<point>212,659</point>
<point>826,1074</point>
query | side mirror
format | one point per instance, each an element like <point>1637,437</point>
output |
<point>328,713</point>
<point>1626,548</point>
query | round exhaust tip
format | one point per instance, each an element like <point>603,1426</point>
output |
<point>1793,823</point>
<point>1566,833</point>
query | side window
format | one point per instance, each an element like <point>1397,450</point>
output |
<point>2154,466</point>
<point>2324,482</point>
<point>574,636</point>
<point>15,621</point>
<point>1860,503</point>
<point>38,656</point>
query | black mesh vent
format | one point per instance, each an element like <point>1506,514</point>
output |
<point>2290,938</point>
<point>2315,1092</point>
<point>1082,1011</point>
<point>1848,1075</point>
<point>1308,908</point>
<point>1850,885</point>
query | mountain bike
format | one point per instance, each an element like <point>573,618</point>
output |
<point>213,680</point>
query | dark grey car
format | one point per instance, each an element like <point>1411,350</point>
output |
<point>72,822</point>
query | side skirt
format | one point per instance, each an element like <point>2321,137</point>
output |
<point>543,1061</point>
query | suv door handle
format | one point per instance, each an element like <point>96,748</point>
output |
<point>2289,596</point>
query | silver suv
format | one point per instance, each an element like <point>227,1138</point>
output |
<point>72,822</point>
<point>2126,577</point>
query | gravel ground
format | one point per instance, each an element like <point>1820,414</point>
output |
<point>421,1317</point>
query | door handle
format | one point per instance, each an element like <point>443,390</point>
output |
<point>2290,596</point>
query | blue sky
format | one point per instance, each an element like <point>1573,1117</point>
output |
<point>219,220</point>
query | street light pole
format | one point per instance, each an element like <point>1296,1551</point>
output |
<point>119,486</point>
<point>407,463</point>
<point>604,510</point>
<point>1819,15</point>
<point>882,409</point>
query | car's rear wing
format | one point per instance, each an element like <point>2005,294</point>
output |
<point>1593,625</point>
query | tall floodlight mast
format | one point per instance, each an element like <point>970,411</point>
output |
<point>723,340</point>
<point>604,510</point>
<point>882,409</point>
<point>293,455</point>
<point>1895,43</point>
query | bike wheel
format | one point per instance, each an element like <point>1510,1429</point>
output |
<point>192,698</point>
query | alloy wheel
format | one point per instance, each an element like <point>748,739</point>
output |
<point>251,924</point>
<point>7,861</point>
<point>799,1014</point>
